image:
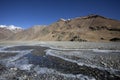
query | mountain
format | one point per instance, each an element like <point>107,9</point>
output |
<point>12,28</point>
<point>7,31</point>
<point>87,28</point>
<point>33,33</point>
<point>4,33</point>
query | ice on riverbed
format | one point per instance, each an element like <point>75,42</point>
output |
<point>18,61</point>
<point>60,54</point>
<point>4,47</point>
<point>105,51</point>
<point>44,70</point>
<point>21,53</point>
<point>22,64</point>
<point>25,66</point>
<point>52,53</point>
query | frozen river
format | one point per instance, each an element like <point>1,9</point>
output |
<point>47,62</point>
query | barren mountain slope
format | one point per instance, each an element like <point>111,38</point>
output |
<point>88,28</point>
<point>32,33</point>
<point>8,31</point>
<point>4,33</point>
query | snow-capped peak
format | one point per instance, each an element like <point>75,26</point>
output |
<point>68,19</point>
<point>3,26</point>
<point>62,19</point>
<point>11,27</point>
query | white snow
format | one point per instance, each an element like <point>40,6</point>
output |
<point>62,19</point>
<point>10,27</point>
<point>3,26</point>
<point>68,19</point>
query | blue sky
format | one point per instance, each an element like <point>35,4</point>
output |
<point>26,13</point>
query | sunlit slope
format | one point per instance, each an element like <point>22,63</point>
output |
<point>88,28</point>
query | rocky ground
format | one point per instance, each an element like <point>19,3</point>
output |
<point>35,62</point>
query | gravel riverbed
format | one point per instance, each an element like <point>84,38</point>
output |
<point>59,61</point>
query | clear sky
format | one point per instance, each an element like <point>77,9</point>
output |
<point>26,13</point>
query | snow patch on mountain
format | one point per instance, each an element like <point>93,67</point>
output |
<point>61,19</point>
<point>11,27</point>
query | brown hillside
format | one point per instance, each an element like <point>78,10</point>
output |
<point>88,28</point>
<point>5,33</point>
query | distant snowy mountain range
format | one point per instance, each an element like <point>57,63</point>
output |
<point>11,28</point>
